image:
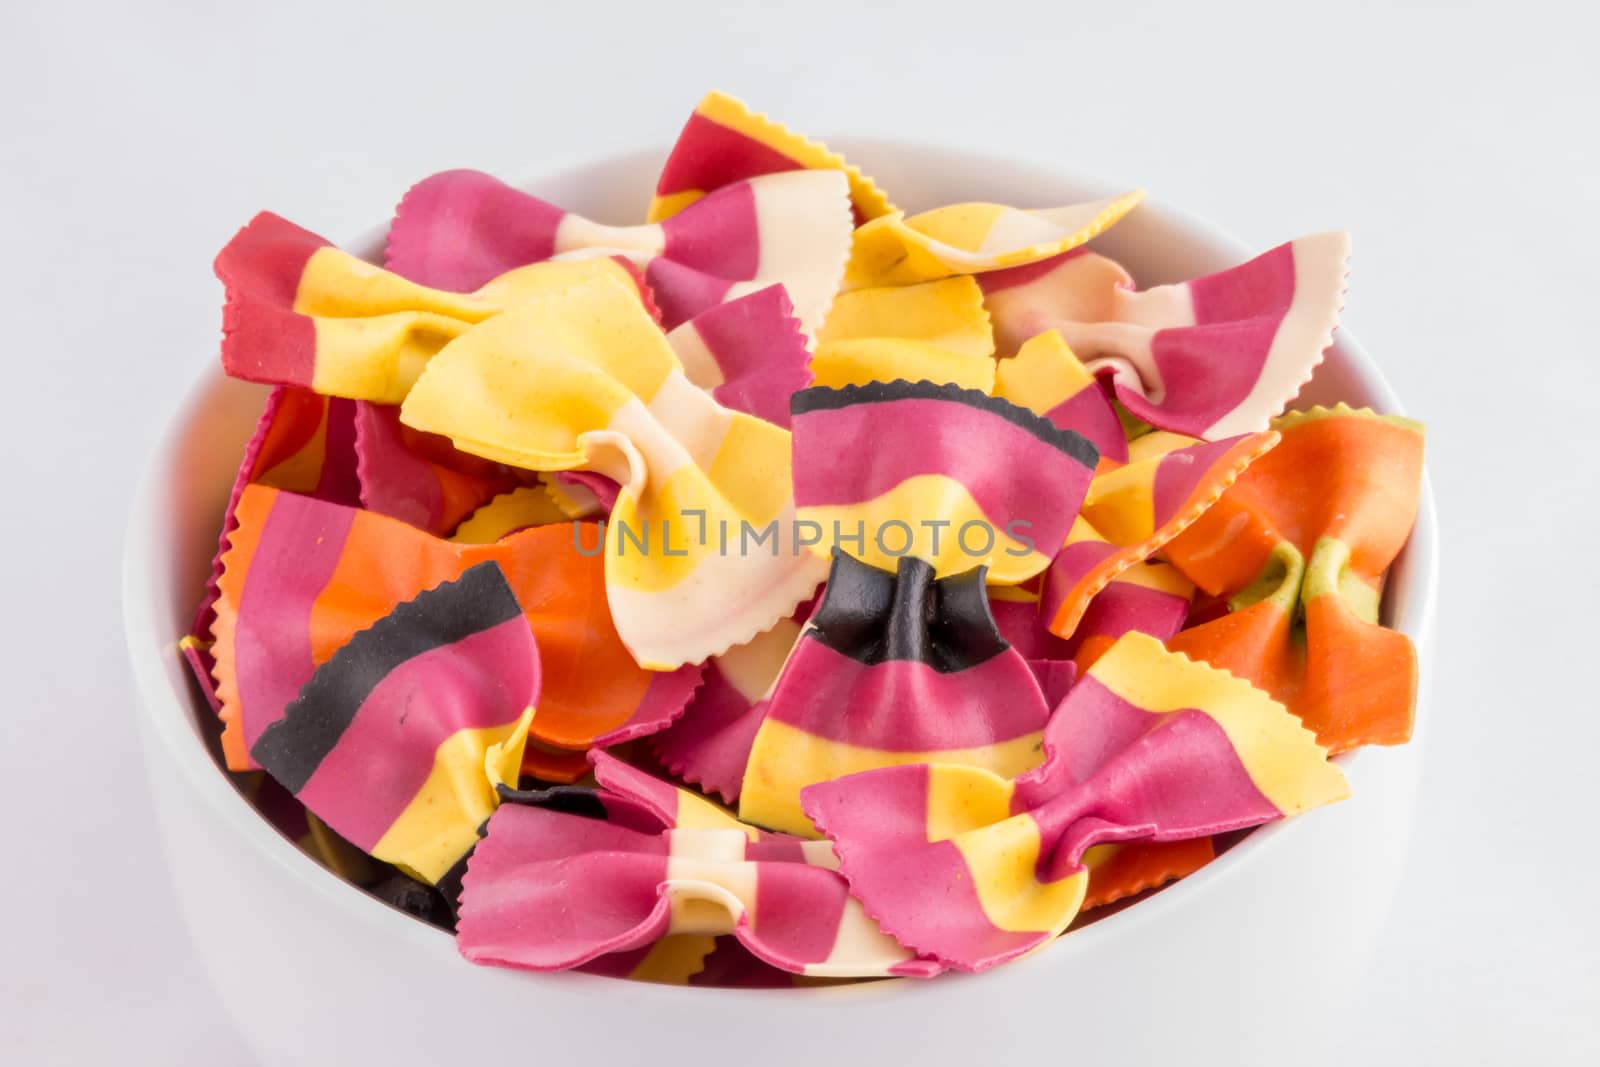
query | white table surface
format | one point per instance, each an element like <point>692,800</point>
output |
<point>1458,143</point>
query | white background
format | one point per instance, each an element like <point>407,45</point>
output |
<point>1457,141</point>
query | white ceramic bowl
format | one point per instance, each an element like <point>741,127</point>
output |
<point>1252,955</point>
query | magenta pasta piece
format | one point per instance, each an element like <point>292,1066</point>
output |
<point>302,576</point>
<point>725,142</point>
<point>893,668</point>
<point>352,452</point>
<point>301,312</point>
<point>1148,746</point>
<point>749,353</point>
<point>398,741</point>
<point>302,442</point>
<point>970,480</point>
<point>1212,357</point>
<point>547,890</point>
<point>460,229</point>
<point>1024,302</point>
<point>826,936</point>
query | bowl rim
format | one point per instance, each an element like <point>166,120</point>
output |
<point>165,714</point>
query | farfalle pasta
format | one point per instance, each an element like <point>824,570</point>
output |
<point>302,442</point>
<point>460,229</point>
<point>302,576</point>
<point>301,312</point>
<point>555,886</point>
<point>779,588</point>
<point>1302,544</point>
<point>550,891</point>
<point>975,481</point>
<point>347,452</point>
<point>1150,597</point>
<point>398,741</point>
<point>543,387</point>
<point>1211,358</point>
<point>1147,746</point>
<point>725,142</point>
<point>894,667</point>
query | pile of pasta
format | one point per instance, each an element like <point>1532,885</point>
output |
<point>787,586</point>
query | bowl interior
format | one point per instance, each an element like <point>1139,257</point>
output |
<point>178,512</point>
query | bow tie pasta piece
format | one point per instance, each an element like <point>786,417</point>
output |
<point>962,479</point>
<point>398,740</point>
<point>1132,511</point>
<point>301,312</point>
<point>346,452</point>
<point>1148,746</point>
<point>302,576</point>
<point>545,890</point>
<point>893,668</point>
<point>710,745</point>
<point>1306,542</point>
<point>724,142</point>
<point>303,443</point>
<point>460,229</point>
<point>632,800</point>
<point>973,238</point>
<point>749,354</point>
<point>1045,377</point>
<point>1212,357</point>
<point>677,958</point>
<point>937,331</point>
<point>1340,472</point>
<point>699,551</point>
